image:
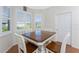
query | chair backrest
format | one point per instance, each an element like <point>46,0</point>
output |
<point>21,43</point>
<point>64,42</point>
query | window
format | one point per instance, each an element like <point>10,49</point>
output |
<point>38,22</point>
<point>20,26</point>
<point>5,19</point>
<point>23,21</point>
<point>5,25</point>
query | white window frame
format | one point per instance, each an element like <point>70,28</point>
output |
<point>20,17</point>
<point>4,17</point>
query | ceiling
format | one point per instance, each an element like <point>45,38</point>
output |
<point>39,7</point>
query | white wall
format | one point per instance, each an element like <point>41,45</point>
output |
<point>6,42</point>
<point>51,13</point>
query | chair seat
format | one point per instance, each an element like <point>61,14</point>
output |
<point>30,48</point>
<point>54,46</point>
<point>13,49</point>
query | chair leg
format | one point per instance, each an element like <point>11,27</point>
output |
<point>36,51</point>
<point>49,51</point>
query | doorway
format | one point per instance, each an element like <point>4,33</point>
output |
<point>63,26</point>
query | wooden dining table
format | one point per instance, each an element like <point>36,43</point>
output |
<point>39,38</point>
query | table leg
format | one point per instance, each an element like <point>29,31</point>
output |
<point>41,49</point>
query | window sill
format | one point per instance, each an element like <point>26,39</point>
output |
<point>5,33</point>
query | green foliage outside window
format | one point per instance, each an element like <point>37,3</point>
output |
<point>38,25</point>
<point>24,26</point>
<point>4,27</point>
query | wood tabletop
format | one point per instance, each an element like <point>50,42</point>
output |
<point>39,36</point>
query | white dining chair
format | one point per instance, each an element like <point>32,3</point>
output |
<point>23,47</point>
<point>62,47</point>
<point>21,43</point>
